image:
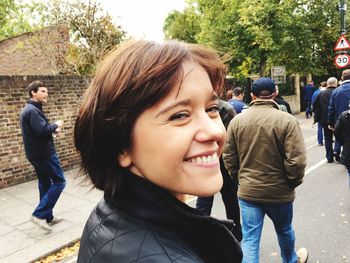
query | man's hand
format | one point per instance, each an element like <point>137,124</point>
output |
<point>330,127</point>
<point>59,124</point>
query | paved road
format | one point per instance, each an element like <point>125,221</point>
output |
<point>321,214</point>
<point>321,209</point>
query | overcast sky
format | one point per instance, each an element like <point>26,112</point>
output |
<point>142,18</point>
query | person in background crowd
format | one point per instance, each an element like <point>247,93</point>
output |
<point>41,153</point>
<point>237,99</point>
<point>320,108</point>
<point>338,103</point>
<point>149,133</point>
<point>229,95</point>
<point>229,187</point>
<point>265,150</point>
<point>282,104</point>
<point>308,91</point>
<point>342,133</point>
<point>323,86</point>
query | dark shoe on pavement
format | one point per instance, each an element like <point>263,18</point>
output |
<point>302,255</point>
<point>320,144</point>
<point>330,161</point>
<point>55,220</point>
<point>41,223</point>
<point>336,156</point>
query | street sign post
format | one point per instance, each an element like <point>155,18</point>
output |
<point>342,60</point>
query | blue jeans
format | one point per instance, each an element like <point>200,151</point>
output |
<point>252,223</point>
<point>319,133</point>
<point>337,147</point>
<point>51,183</point>
<point>308,111</point>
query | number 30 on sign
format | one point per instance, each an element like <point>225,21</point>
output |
<point>342,60</point>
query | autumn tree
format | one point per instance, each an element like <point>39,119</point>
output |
<point>92,30</point>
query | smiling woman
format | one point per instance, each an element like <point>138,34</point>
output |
<point>149,132</point>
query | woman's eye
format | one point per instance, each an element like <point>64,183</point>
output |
<point>213,109</point>
<point>179,116</point>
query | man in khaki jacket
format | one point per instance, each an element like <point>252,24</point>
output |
<point>265,151</point>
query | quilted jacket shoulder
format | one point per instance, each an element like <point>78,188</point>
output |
<point>131,240</point>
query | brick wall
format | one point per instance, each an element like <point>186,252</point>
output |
<point>35,53</point>
<point>64,96</point>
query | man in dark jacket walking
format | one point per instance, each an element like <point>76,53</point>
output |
<point>320,107</point>
<point>40,150</point>
<point>339,103</point>
<point>309,89</point>
<point>342,131</point>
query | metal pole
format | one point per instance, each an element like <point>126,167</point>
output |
<point>342,9</point>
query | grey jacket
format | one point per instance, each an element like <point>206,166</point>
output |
<point>265,150</point>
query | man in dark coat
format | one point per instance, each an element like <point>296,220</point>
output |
<point>338,103</point>
<point>320,108</point>
<point>40,151</point>
<point>342,133</point>
<point>309,89</point>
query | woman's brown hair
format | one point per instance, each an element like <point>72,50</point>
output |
<point>132,78</point>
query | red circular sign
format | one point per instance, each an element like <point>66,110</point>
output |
<point>342,60</point>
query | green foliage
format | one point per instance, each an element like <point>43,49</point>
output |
<point>92,33</point>
<point>257,34</point>
<point>182,26</point>
<point>17,17</point>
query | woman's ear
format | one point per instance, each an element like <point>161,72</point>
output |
<point>124,159</point>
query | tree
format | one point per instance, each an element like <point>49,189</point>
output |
<point>182,26</point>
<point>257,34</point>
<point>92,31</point>
<point>17,17</point>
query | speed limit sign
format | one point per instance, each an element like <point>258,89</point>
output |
<point>342,60</point>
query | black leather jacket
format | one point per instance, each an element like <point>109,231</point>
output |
<point>145,223</point>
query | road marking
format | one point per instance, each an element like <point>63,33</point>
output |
<point>313,145</point>
<point>314,167</point>
<point>309,139</point>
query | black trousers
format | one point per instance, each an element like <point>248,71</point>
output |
<point>229,197</point>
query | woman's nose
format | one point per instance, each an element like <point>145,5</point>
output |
<point>211,129</point>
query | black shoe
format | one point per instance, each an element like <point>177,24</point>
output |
<point>336,156</point>
<point>330,161</point>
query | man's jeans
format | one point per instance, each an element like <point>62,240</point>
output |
<point>252,223</point>
<point>51,183</point>
<point>319,133</point>
<point>308,111</point>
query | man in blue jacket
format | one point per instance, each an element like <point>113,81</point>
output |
<point>339,102</point>
<point>308,91</point>
<point>40,151</point>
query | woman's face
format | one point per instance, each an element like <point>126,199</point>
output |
<point>177,142</point>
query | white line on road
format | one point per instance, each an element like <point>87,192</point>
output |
<point>314,167</point>
<point>313,145</point>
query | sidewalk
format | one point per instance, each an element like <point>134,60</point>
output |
<point>21,240</point>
